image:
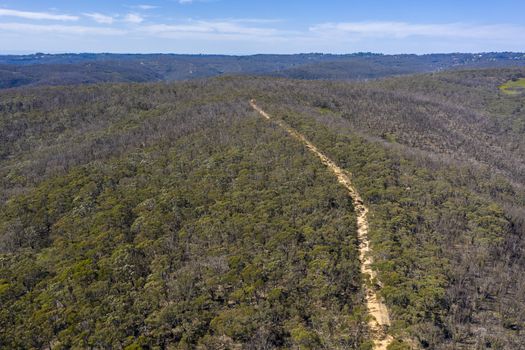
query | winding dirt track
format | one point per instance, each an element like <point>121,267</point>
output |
<point>379,320</point>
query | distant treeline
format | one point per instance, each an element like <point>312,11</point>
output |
<point>66,69</point>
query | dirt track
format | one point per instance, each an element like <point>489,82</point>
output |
<point>379,320</point>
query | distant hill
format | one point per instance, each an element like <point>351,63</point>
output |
<point>68,69</point>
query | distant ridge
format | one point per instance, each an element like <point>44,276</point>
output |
<point>71,69</point>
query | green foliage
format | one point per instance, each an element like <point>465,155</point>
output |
<point>305,339</point>
<point>398,345</point>
<point>434,237</point>
<point>216,238</point>
<point>157,216</point>
<point>514,87</point>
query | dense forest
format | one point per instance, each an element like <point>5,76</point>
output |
<point>170,215</point>
<point>63,69</point>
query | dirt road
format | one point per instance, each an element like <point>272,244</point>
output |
<point>379,320</point>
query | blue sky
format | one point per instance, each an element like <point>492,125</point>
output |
<point>269,26</point>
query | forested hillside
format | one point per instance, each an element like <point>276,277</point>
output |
<point>174,216</point>
<point>72,69</point>
<point>439,160</point>
<point>179,224</point>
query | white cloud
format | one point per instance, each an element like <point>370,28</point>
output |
<point>252,35</point>
<point>188,2</point>
<point>100,18</point>
<point>210,27</point>
<point>37,15</point>
<point>133,18</point>
<point>166,29</point>
<point>59,29</point>
<point>402,30</point>
<point>146,7</point>
<point>256,20</point>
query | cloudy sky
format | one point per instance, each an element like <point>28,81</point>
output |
<point>261,26</point>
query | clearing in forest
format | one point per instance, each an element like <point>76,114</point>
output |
<point>514,87</point>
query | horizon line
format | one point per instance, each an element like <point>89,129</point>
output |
<point>258,54</point>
